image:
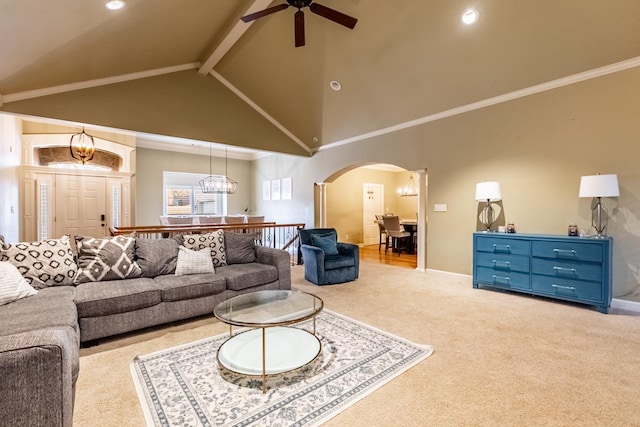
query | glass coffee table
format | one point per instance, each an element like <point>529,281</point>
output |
<point>271,346</point>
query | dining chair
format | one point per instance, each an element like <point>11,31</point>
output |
<point>396,232</point>
<point>383,231</point>
<point>180,220</point>
<point>234,219</point>
<point>210,219</point>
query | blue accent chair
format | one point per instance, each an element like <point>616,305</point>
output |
<point>327,261</point>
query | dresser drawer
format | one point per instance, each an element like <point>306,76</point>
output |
<point>576,251</point>
<point>499,245</point>
<point>503,279</point>
<point>501,262</point>
<point>567,269</point>
<point>568,289</point>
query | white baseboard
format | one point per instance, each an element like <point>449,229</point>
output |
<point>625,305</point>
<point>446,272</point>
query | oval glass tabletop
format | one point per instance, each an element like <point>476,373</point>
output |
<point>268,308</point>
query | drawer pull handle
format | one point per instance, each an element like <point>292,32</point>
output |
<point>565,252</point>
<point>569,288</point>
<point>505,263</point>
<point>503,278</point>
<point>565,270</point>
<point>501,248</point>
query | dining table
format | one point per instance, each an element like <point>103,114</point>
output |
<point>410,226</point>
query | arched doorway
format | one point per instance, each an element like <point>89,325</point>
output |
<point>342,202</point>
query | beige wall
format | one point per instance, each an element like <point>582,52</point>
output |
<point>150,164</point>
<point>537,147</point>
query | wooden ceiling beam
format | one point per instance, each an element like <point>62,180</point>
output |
<point>231,35</point>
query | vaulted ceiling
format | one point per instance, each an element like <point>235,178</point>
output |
<point>191,69</point>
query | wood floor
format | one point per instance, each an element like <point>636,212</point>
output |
<point>371,254</point>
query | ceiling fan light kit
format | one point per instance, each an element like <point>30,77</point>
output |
<point>318,9</point>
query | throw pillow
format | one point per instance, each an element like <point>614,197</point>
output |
<point>240,248</point>
<point>193,262</point>
<point>44,263</point>
<point>12,285</point>
<point>107,258</point>
<point>328,244</point>
<point>213,240</point>
<point>156,256</point>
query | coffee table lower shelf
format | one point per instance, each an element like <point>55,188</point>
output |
<point>268,351</point>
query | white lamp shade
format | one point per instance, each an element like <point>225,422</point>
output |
<point>488,191</point>
<point>599,186</point>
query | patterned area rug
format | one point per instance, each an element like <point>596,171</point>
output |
<point>185,386</point>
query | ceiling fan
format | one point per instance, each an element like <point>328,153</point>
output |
<point>318,9</point>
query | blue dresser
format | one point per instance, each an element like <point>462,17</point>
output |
<point>569,268</point>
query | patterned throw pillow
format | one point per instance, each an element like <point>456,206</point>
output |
<point>193,262</point>
<point>12,285</point>
<point>44,263</point>
<point>108,258</point>
<point>213,240</point>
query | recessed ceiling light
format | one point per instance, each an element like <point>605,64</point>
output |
<point>335,85</point>
<point>114,4</point>
<point>470,16</point>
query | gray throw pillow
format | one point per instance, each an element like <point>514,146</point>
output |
<point>43,263</point>
<point>109,258</point>
<point>156,256</point>
<point>240,248</point>
<point>213,240</point>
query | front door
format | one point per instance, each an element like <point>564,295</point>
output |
<point>81,207</point>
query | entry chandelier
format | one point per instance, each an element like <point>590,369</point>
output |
<point>82,147</point>
<point>218,184</point>
<point>409,190</point>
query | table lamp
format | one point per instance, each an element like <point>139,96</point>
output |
<point>488,192</point>
<point>599,186</point>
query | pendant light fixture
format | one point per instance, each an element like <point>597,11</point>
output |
<point>82,147</point>
<point>409,190</point>
<point>218,184</point>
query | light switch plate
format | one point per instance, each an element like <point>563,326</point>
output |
<point>440,207</point>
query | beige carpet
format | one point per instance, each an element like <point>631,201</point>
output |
<point>500,358</point>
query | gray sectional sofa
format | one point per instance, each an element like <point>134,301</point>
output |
<point>113,286</point>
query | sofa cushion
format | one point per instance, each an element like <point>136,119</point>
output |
<point>243,276</point>
<point>51,307</point>
<point>12,285</point>
<point>44,263</point>
<point>156,256</point>
<point>108,258</point>
<point>213,240</point>
<point>178,288</point>
<point>331,262</point>
<point>194,261</point>
<point>240,248</point>
<point>95,299</point>
<point>328,243</point>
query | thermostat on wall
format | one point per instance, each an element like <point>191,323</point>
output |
<point>440,207</point>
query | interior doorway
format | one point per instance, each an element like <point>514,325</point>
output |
<point>372,205</point>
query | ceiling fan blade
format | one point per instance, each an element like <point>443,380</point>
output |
<point>268,11</point>
<point>333,15</point>
<point>299,28</point>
